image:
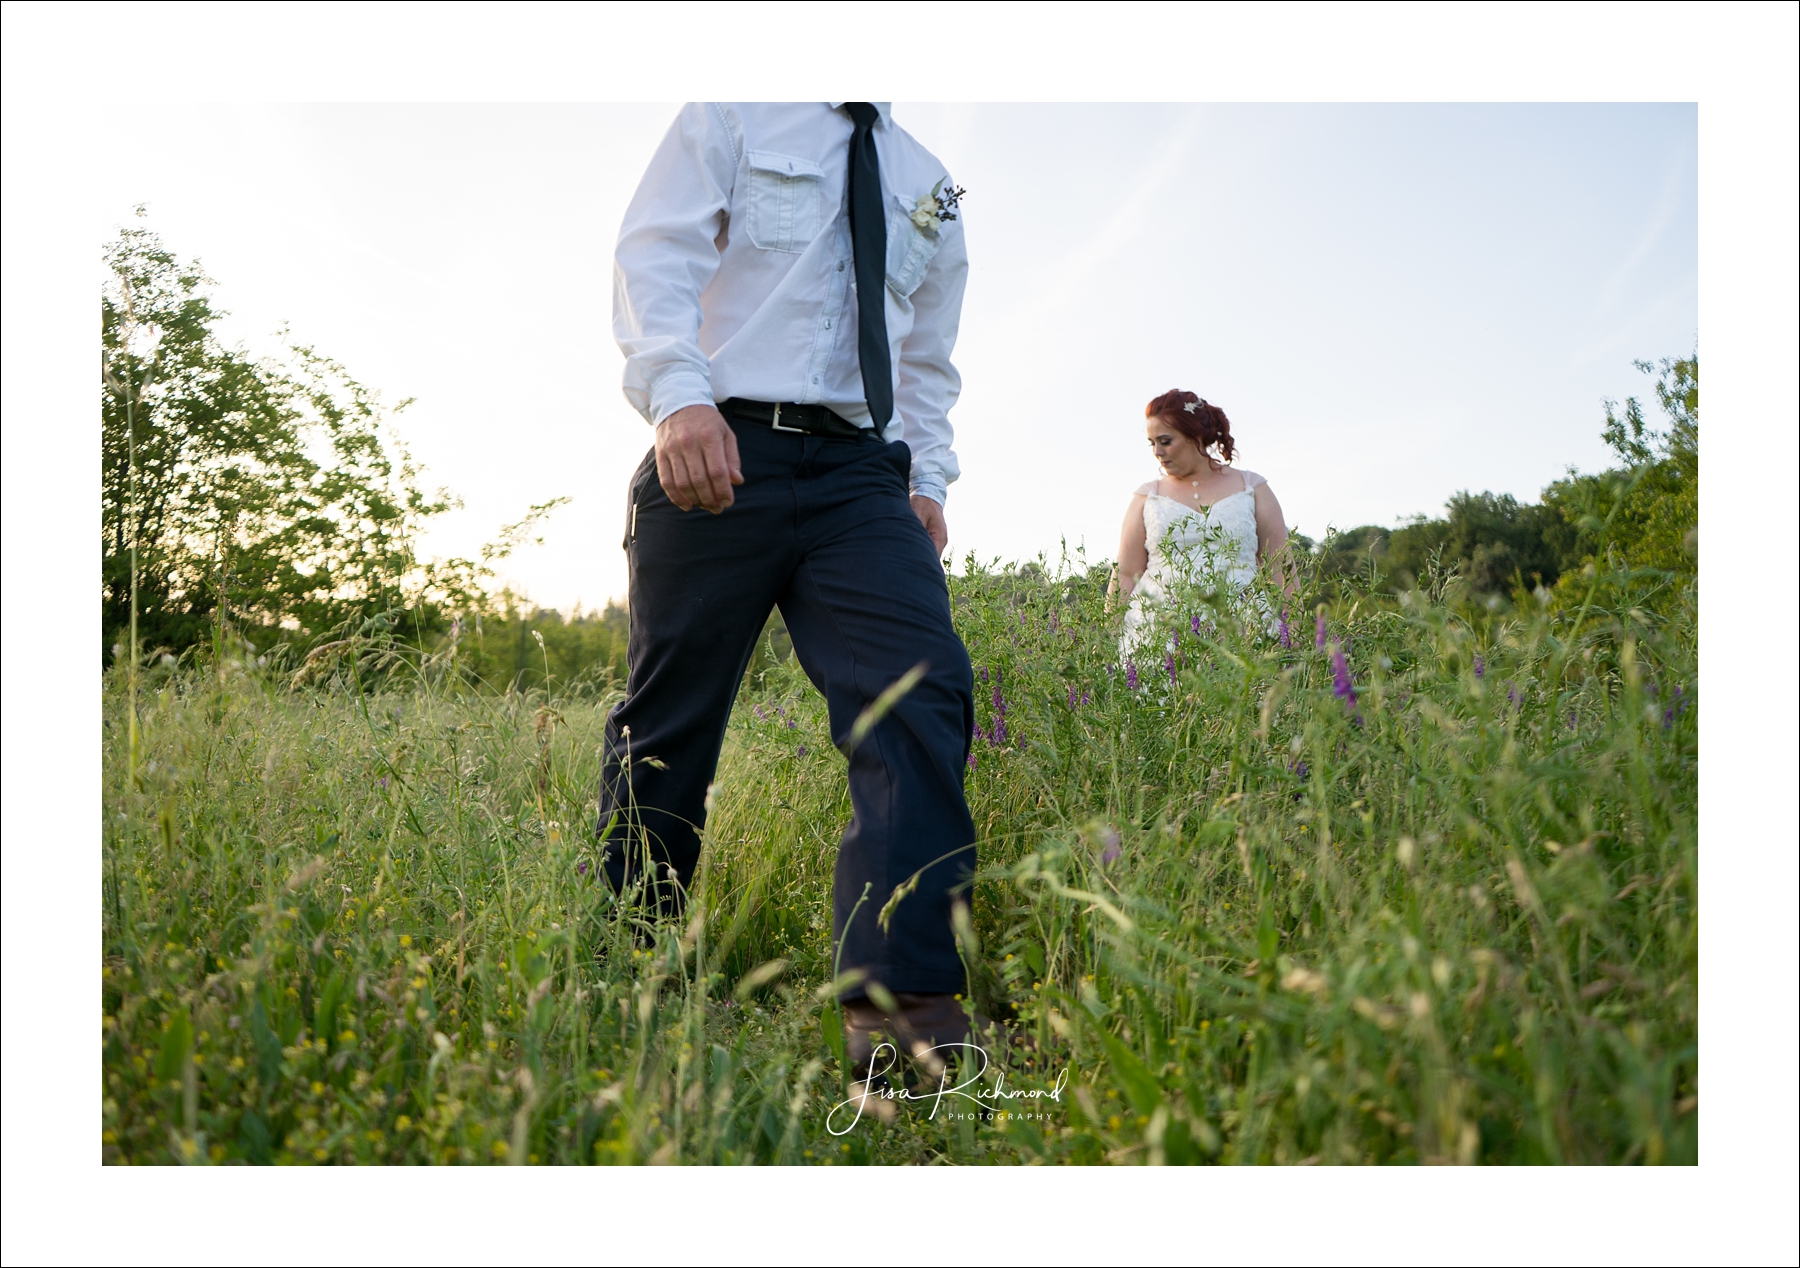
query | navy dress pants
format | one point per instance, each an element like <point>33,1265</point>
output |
<point>822,529</point>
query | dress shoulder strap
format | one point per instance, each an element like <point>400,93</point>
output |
<point>1144,490</point>
<point>1251,479</point>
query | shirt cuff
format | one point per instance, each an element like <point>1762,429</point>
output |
<point>676,391</point>
<point>929,484</point>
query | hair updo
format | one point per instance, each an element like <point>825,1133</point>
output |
<point>1205,425</point>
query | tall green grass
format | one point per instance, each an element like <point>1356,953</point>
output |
<point>1239,917</point>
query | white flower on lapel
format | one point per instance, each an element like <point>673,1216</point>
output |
<point>931,210</point>
<point>925,215</point>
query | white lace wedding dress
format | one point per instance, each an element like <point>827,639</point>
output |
<point>1212,547</point>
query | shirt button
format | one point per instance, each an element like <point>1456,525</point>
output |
<point>840,266</point>
<point>815,378</point>
<point>828,323</point>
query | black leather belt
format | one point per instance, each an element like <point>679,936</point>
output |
<point>807,420</point>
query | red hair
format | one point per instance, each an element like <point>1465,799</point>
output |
<point>1205,425</point>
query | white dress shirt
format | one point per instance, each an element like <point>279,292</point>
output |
<point>734,276</point>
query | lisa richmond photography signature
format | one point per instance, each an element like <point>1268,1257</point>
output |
<point>971,1095</point>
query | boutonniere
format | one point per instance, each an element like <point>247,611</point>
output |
<point>930,212</point>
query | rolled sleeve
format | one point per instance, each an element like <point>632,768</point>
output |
<point>676,390</point>
<point>666,255</point>
<point>929,484</point>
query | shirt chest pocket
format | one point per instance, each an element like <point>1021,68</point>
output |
<point>782,210</point>
<point>909,249</point>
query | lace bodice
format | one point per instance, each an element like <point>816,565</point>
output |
<point>1187,543</point>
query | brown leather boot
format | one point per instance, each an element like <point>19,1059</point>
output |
<point>922,1027</point>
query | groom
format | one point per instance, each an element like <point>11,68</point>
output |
<point>786,291</point>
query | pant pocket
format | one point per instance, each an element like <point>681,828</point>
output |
<point>899,455</point>
<point>635,494</point>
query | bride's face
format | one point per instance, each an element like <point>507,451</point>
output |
<point>1179,456</point>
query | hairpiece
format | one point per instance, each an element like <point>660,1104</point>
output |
<point>1192,406</point>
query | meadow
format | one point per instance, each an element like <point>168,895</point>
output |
<point>1413,882</point>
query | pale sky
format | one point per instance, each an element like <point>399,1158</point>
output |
<point>1391,302</point>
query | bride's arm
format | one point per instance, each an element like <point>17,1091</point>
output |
<point>1272,538</point>
<point>1134,551</point>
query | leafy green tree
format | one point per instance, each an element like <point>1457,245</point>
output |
<point>260,496</point>
<point>1647,510</point>
<point>1498,542</point>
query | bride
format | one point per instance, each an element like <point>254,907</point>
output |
<point>1203,521</point>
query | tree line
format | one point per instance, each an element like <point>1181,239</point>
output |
<point>1641,514</point>
<point>264,507</point>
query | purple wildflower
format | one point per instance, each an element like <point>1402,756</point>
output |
<point>1677,704</point>
<point>1319,631</point>
<point>1301,768</point>
<point>971,759</point>
<point>382,781</point>
<point>1131,675</point>
<point>581,868</point>
<point>1571,719</point>
<point>1084,697</point>
<point>997,734</point>
<point>1287,639</point>
<point>1071,697</point>
<point>1341,685</point>
<point>1480,666</point>
<point>984,675</point>
<point>801,752</point>
<point>1512,695</point>
<point>1194,622</point>
<point>1113,847</point>
<point>1169,664</point>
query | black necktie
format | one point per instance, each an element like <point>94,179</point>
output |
<point>868,240</point>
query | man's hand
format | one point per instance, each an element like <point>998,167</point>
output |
<point>697,459</point>
<point>931,515</point>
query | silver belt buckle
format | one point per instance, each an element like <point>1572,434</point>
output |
<point>776,424</point>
